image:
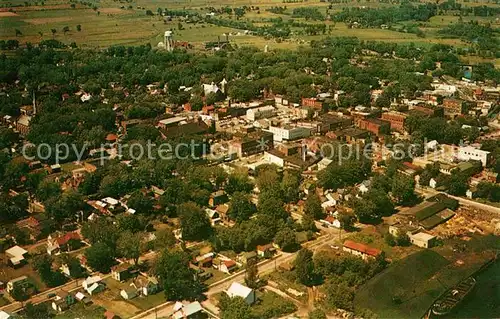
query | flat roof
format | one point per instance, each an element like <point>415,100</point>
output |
<point>423,236</point>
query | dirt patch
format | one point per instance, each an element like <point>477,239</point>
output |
<point>38,8</point>
<point>38,21</point>
<point>112,11</point>
<point>8,14</point>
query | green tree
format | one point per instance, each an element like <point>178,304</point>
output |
<point>403,189</point>
<point>54,31</point>
<point>235,308</point>
<point>78,27</point>
<point>339,295</point>
<point>65,29</point>
<point>165,239</point>
<point>304,267</point>
<point>317,314</point>
<point>129,245</point>
<point>286,239</point>
<point>313,206</point>
<point>177,278</point>
<point>38,311</point>
<point>241,207</point>
<point>18,33</point>
<point>100,257</point>
<point>48,189</point>
<point>195,224</point>
<point>252,273</point>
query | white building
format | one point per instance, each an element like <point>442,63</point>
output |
<point>4,315</point>
<point>470,153</point>
<point>238,290</point>
<point>422,240</point>
<point>260,113</point>
<point>289,133</point>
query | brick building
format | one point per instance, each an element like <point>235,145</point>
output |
<point>376,126</point>
<point>452,106</point>
<point>312,102</point>
<point>396,119</point>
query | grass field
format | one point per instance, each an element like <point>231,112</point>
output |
<point>82,312</point>
<point>410,286</point>
<point>110,24</point>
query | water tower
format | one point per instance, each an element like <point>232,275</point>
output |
<point>169,42</point>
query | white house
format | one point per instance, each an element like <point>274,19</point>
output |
<point>423,240</point>
<point>4,315</point>
<point>16,255</point>
<point>331,221</point>
<point>92,284</point>
<point>238,290</point>
<point>364,187</point>
<point>433,183</point>
<point>190,310</point>
<point>470,153</point>
<point>288,133</point>
<point>129,293</point>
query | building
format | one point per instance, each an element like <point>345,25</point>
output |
<point>452,106</point>
<point>23,124</point>
<point>62,243</point>
<point>429,111</point>
<point>121,272</point>
<point>470,153</point>
<point>192,310</point>
<point>63,301</point>
<point>397,120</point>
<point>260,113</point>
<point>170,122</point>
<point>93,285</point>
<point>22,281</point>
<point>361,250</point>
<point>423,240</point>
<point>16,255</point>
<point>289,133</point>
<point>331,221</point>
<point>376,126</point>
<point>217,198</point>
<point>312,103</point>
<point>238,290</point>
<point>129,293</point>
<point>227,266</point>
<point>266,251</point>
<point>147,285</point>
<point>5,315</point>
<point>252,143</point>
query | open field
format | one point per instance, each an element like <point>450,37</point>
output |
<point>82,312</point>
<point>111,23</point>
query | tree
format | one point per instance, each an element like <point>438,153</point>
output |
<point>141,203</point>
<point>101,230</point>
<point>313,206</point>
<point>19,293</point>
<point>458,184</point>
<point>75,268</point>
<point>48,189</point>
<point>195,224</point>
<point>291,186</point>
<point>304,267</point>
<point>286,239</point>
<point>317,314</point>
<point>177,278</point>
<point>78,27</point>
<point>100,257</point>
<point>403,189</point>
<point>38,311</point>
<point>129,245</point>
<point>18,32</point>
<point>241,207</point>
<point>54,31</point>
<point>235,308</point>
<point>339,295</point>
<point>164,239</point>
<point>252,273</point>
<point>346,221</point>
<point>65,29</point>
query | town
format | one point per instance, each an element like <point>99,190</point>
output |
<point>142,182</point>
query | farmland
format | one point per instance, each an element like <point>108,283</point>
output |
<point>106,23</point>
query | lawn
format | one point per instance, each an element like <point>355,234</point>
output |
<point>271,305</point>
<point>83,312</point>
<point>3,301</point>
<point>286,280</point>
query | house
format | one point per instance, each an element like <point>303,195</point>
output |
<point>397,120</point>
<point>227,266</point>
<point>146,285</point>
<point>16,255</point>
<point>433,183</point>
<point>110,315</point>
<point>361,250</point>
<point>218,198</point>
<point>213,215</point>
<point>121,272</point>
<point>4,315</point>
<point>239,290</point>
<point>81,297</point>
<point>364,187</point>
<point>62,301</point>
<point>245,257</point>
<point>93,285</point>
<point>192,310</point>
<point>423,240</point>
<point>22,282</point>
<point>222,211</point>
<point>56,245</point>
<point>129,293</point>
<point>376,126</point>
<point>331,221</point>
<point>205,260</point>
<point>266,251</point>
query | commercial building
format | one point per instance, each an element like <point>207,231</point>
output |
<point>260,113</point>
<point>289,133</point>
<point>470,153</point>
<point>252,143</point>
<point>396,119</point>
<point>312,103</point>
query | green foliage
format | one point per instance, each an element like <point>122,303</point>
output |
<point>403,189</point>
<point>240,207</point>
<point>177,278</point>
<point>286,239</point>
<point>100,257</point>
<point>345,174</point>
<point>129,245</point>
<point>235,308</point>
<point>195,224</point>
<point>317,314</point>
<point>304,268</point>
<point>339,295</point>
<point>313,206</point>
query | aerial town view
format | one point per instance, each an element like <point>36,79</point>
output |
<point>249,159</point>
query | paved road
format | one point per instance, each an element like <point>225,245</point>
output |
<point>265,267</point>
